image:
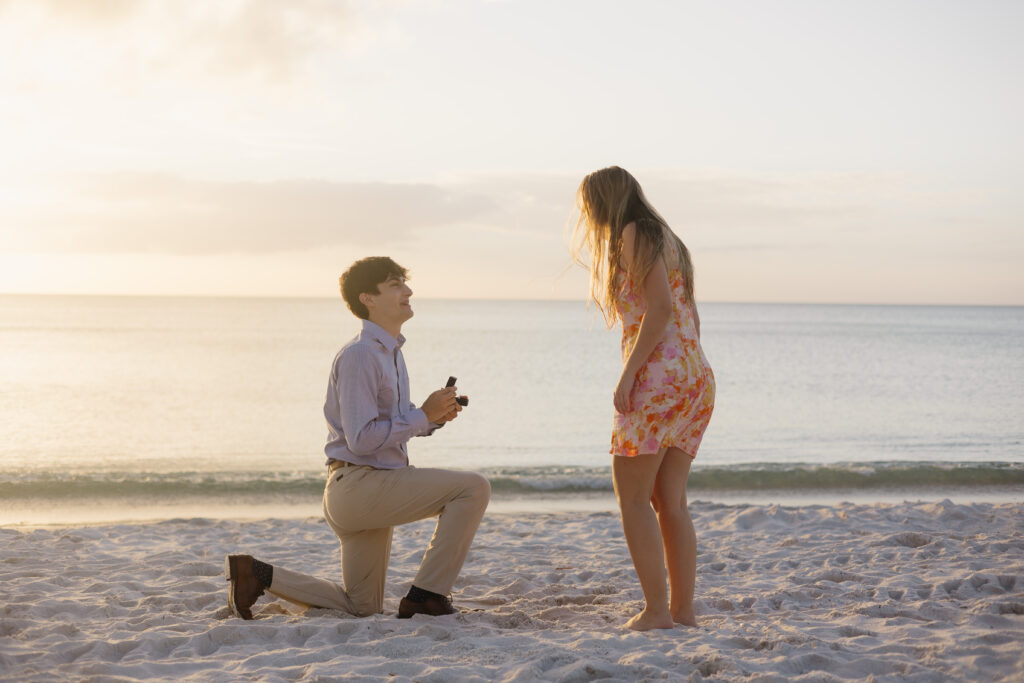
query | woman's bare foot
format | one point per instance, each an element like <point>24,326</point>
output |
<point>684,617</point>
<point>647,620</point>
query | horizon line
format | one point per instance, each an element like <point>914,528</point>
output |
<point>496,299</point>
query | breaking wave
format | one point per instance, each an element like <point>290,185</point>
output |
<point>514,481</point>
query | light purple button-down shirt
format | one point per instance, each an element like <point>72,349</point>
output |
<point>370,416</point>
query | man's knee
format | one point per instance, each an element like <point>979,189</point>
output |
<point>478,486</point>
<point>366,605</point>
<point>473,486</point>
<point>366,610</point>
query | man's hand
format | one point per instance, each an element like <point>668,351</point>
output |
<point>451,415</point>
<point>440,406</point>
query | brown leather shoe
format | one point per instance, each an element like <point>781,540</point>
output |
<point>245,587</point>
<point>431,606</point>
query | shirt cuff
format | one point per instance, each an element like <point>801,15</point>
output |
<point>419,422</point>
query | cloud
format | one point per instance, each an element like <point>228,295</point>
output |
<point>792,238</point>
<point>520,214</point>
<point>269,40</point>
<point>93,11</point>
<point>713,212</point>
<point>136,212</point>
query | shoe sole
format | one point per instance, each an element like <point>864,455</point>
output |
<point>231,588</point>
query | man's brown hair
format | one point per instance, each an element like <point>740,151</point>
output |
<point>363,277</point>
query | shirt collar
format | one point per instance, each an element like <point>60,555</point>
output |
<point>375,331</point>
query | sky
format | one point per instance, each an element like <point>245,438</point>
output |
<point>806,151</point>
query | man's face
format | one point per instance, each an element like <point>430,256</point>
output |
<point>391,306</point>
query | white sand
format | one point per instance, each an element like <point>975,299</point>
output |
<point>909,592</point>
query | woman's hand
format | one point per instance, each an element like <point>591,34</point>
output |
<point>623,390</point>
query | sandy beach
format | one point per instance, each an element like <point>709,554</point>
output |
<point>909,592</point>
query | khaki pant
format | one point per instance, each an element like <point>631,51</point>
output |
<point>361,505</point>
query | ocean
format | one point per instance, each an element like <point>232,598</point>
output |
<point>115,408</point>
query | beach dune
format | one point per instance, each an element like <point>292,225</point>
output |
<point>909,592</point>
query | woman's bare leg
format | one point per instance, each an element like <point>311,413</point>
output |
<point>677,533</point>
<point>634,485</point>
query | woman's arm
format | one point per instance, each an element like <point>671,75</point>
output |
<point>658,296</point>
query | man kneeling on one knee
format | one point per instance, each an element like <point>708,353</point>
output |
<point>371,487</point>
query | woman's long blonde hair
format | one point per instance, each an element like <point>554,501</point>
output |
<point>608,200</point>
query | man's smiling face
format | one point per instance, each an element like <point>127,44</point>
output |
<point>390,307</point>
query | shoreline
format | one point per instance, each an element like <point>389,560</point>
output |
<point>908,591</point>
<point>89,512</point>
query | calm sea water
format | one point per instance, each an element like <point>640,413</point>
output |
<point>104,397</point>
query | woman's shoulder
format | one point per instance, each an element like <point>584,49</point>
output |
<point>644,237</point>
<point>641,228</point>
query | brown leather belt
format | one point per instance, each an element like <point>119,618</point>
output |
<point>338,464</point>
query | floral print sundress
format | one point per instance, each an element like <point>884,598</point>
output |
<point>674,392</point>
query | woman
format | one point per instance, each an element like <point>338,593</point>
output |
<point>642,275</point>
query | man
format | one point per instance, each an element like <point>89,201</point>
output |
<point>370,486</point>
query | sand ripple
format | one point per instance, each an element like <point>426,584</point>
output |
<point>918,592</point>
